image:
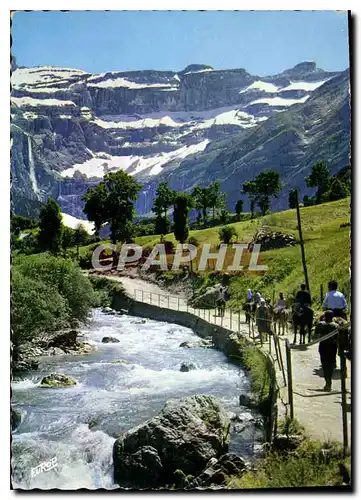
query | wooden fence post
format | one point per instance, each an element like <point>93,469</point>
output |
<point>289,378</point>
<point>343,400</point>
<point>281,360</point>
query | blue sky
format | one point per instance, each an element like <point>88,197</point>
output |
<point>262,42</point>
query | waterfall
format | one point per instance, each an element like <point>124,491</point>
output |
<point>32,176</point>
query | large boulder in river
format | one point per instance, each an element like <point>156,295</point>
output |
<point>185,435</point>
<point>57,380</point>
<point>16,418</point>
<point>109,340</point>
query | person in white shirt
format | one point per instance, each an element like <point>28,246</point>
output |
<point>335,301</point>
<point>281,303</point>
<point>258,297</point>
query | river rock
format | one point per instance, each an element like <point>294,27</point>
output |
<point>64,340</point>
<point>57,380</point>
<point>185,435</point>
<point>55,351</point>
<point>108,310</point>
<point>108,340</point>
<point>16,418</point>
<point>282,442</point>
<point>186,367</point>
<point>139,322</point>
<point>217,471</point>
<point>202,343</point>
<point>249,401</point>
<point>24,365</point>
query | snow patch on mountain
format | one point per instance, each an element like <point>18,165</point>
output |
<point>205,70</point>
<point>124,82</point>
<point>259,85</point>
<point>103,163</point>
<point>73,222</point>
<point>279,101</point>
<point>308,86</point>
<point>43,75</point>
<point>30,101</point>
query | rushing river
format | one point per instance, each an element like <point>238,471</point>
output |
<point>117,396</point>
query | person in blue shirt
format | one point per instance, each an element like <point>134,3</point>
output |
<point>335,301</point>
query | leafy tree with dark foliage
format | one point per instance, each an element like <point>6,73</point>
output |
<point>320,178</point>
<point>112,201</point>
<point>161,204</point>
<point>292,198</point>
<point>95,206</point>
<point>263,188</point>
<point>250,188</point>
<point>239,208</point>
<point>182,206</point>
<point>50,226</point>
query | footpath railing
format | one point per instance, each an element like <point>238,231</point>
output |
<point>270,343</point>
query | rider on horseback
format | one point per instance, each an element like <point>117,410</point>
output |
<point>335,301</point>
<point>281,303</point>
<point>303,296</point>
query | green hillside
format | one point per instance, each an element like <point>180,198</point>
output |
<point>326,248</point>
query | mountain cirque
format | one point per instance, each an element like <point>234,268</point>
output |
<point>69,128</point>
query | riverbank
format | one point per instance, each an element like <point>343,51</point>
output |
<point>119,386</point>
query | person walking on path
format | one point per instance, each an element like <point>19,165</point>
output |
<point>263,320</point>
<point>335,301</point>
<point>258,297</point>
<point>249,295</point>
<point>327,348</point>
<point>221,301</point>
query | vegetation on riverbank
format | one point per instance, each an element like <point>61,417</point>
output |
<point>48,294</point>
<point>313,463</point>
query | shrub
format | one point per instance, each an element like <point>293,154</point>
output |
<point>65,277</point>
<point>226,233</point>
<point>36,308</point>
<point>193,241</point>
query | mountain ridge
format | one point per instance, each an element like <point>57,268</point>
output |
<point>70,127</point>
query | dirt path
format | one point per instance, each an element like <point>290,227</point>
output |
<point>318,411</point>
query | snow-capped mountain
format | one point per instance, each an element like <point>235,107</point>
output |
<point>70,127</point>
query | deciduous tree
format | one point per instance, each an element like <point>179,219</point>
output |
<point>320,178</point>
<point>50,227</point>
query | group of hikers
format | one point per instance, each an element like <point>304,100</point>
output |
<point>301,315</point>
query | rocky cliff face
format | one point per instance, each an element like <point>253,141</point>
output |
<point>69,127</point>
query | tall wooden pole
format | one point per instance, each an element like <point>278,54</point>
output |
<point>301,241</point>
<point>344,401</point>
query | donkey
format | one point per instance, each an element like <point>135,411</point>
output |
<point>302,317</point>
